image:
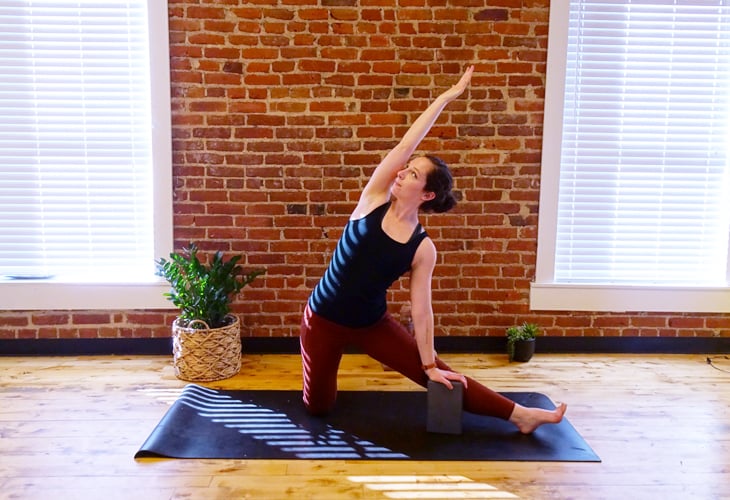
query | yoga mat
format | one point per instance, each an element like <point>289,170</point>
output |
<point>365,425</point>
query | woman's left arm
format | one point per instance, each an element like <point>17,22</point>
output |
<point>377,190</point>
<point>422,313</point>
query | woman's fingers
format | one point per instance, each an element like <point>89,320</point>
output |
<point>445,377</point>
<point>461,85</point>
<point>466,77</point>
<point>457,377</point>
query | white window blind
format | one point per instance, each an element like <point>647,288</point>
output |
<point>644,187</point>
<point>635,181</point>
<point>76,156</point>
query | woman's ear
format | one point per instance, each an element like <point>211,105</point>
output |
<point>428,196</point>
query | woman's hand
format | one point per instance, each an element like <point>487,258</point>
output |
<point>457,89</point>
<point>445,377</point>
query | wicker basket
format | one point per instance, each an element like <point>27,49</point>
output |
<point>204,355</point>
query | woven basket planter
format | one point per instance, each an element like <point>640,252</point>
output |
<point>205,355</point>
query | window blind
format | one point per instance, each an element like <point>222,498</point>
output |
<point>75,141</point>
<point>644,188</point>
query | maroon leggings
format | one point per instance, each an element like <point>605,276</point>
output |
<point>323,343</point>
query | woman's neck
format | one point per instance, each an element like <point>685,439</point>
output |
<point>403,212</point>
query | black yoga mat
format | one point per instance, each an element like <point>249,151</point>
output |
<point>365,425</point>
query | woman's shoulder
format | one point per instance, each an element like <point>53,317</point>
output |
<point>367,206</point>
<point>425,256</point>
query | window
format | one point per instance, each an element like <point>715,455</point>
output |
<point>635,192</point>
<point>85,154</point>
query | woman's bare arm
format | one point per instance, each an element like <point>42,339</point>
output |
<point>377,190</point>
<point>422,312</point>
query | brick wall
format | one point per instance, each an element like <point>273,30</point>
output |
<point>282,109</point>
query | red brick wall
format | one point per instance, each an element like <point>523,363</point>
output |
<point>282,109</point>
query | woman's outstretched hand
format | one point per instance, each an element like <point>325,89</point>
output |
<point>445,377</point>
<point>459,88</point>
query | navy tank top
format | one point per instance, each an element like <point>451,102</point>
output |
<point>365,264</point>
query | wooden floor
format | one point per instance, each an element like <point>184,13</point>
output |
<point>70,426</point>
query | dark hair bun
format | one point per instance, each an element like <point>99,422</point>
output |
<point>447,203</point>
<point>440,182</point>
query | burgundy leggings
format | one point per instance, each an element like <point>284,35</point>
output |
<point>323,343</point>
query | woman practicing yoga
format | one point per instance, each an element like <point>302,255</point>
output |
<point>382,241</point>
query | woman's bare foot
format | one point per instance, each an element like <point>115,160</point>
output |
<point>529,419</point>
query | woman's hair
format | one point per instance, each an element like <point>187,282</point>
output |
<point>439,182</point>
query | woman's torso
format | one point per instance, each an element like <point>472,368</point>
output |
<point>365,264</point>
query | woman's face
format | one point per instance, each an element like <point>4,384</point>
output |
<point>411,181</point>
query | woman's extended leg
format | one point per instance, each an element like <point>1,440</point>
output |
<point>390,343</point>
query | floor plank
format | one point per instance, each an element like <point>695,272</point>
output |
<point>69,427</point>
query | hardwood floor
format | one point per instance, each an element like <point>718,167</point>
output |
<point>70,426</point>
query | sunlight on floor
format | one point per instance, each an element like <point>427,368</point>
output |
<point>429,487</point>
<point>164,395</point>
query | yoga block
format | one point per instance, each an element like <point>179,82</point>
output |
<point>444,407</point>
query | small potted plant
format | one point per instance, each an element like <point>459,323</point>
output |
<point>521,341</point>
<point>206,336</point>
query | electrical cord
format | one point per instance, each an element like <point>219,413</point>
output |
<point>711,362</point>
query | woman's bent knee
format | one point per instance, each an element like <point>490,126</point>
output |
<point>317,409</point>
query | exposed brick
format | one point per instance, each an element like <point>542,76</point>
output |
<point>8,320</point>
<point>492,15</point>
<point>280,113</point>
<point>81,318</point>
<point>50,319</point>
<point>686,322</point>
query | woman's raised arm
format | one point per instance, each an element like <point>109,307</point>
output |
<point>377,189</point>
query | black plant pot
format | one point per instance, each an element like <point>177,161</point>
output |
<point>524,349</point>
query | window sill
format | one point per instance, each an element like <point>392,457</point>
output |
<point>627,298</point>
<point>51,295</point>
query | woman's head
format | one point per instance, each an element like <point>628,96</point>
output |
<point>439,182</point>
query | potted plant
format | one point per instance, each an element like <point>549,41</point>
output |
<point>521,341</point>
<point>206,336</point>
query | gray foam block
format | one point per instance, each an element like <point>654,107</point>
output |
<point>444,407</point>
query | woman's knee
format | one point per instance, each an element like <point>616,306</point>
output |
<point>317,408</point>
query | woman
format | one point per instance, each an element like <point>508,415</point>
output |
<point>383,240</point>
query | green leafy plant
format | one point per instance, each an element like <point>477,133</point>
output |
<point>527,331</point>
<point>203,291</point>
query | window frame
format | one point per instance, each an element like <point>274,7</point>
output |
<point>545,294</point>
<point>53,294</point>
